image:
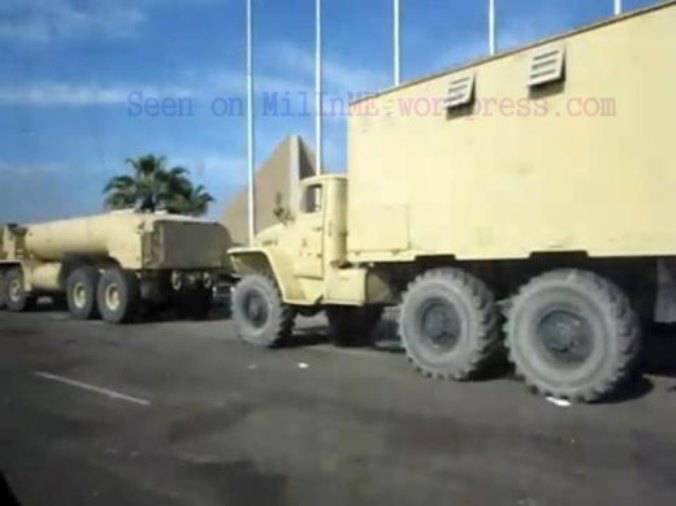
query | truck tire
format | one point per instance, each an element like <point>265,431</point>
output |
<point>193,303</point>
<point>353,326</point>
<point>17,299</point>
<point>449,324</point>
<point>3,291</point>
<point>81,287</point>
<point>573,334</point>
<point>118,296</point>
<point>260,315</point>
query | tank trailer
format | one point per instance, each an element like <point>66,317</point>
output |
<point>113,265</point>
<point>523,203</point>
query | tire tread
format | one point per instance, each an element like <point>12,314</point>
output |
<point>626,322</point>
<point>488,339</point>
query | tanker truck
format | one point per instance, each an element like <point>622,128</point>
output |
<point>520,205</point>
<point>113,265</point>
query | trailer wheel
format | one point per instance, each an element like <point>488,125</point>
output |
<point>352,326</point>
<point>81,287</point>
<point>573,334</point>
<point>118,296</point>
<point>449,324</point>
<point>17,299</point>
<point>260,315</point>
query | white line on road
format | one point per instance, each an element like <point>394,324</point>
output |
<point>562,403</point>
<point>92,388</point>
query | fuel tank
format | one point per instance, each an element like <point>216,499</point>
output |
<point>80,236</point>
<point>136,240</point>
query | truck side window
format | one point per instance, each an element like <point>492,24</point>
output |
<point>312,199</point>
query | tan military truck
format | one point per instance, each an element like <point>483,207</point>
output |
<point>113,265</point>
<point>534,189</point>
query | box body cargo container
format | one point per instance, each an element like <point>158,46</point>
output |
<point>582,163</point>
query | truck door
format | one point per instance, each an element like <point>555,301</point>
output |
<point>309,262</point>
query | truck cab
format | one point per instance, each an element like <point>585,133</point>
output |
<point>300,267</point>
<point>306,246</point>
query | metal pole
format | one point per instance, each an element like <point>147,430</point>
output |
<point>318,85</point>
<point>492,45</point>
<point>397,42</point>
<point>618,7</point>
<point>250,121</point>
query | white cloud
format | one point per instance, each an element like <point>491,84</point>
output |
<point>45,20</point>
<point>228,82</point>
<point>339,77</point>
<point>52,93</point>
<point>11,169</point>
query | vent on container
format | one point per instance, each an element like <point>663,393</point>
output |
<point>460,92</point>
<point>546,66</point>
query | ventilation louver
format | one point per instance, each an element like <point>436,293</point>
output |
<point>546,66</point>
<point>460,92</point>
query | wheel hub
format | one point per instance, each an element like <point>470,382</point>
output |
<point>113,297</point>
<point>256,310</point>
<point>567,337</point>
<point>80,295</point>
<point>440,324</point>
<point>15,289</point>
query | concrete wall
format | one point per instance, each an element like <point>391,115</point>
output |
<point>276,181</point>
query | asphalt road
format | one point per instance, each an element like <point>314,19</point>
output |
<point>183,413</point>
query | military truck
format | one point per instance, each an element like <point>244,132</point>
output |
<point>113,265</point>
<point>532,192</point>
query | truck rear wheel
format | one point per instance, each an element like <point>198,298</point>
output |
<point>352,326</point>
<point>118,296</point>
<point>81,287</point>
<point>260,315</point>
<point>573,334</point>
<point>449,324</point>
<point>17,299</point>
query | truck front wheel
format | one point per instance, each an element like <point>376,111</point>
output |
<point>81,287</point>
<point>573,334</point>
<point>118,296</point>
<point>352,326</point>
<point>449,324</point>
<point>260,315</point>
<point>16,297</point>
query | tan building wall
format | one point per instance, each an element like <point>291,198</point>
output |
<point>276,182</point>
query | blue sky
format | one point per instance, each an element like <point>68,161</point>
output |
<point>79,80</point>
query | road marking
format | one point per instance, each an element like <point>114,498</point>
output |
<point>562,403</point>
<point>92,388</point>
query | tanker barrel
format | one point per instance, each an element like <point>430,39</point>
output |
<point>81,236</point>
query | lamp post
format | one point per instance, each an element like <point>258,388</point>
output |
<point>397,42</point>
<point>250,121</point>
<point>318,85</point>
<point>492,44</point>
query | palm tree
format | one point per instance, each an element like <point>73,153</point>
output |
<point>153,187</point>
<point>193,201</point>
